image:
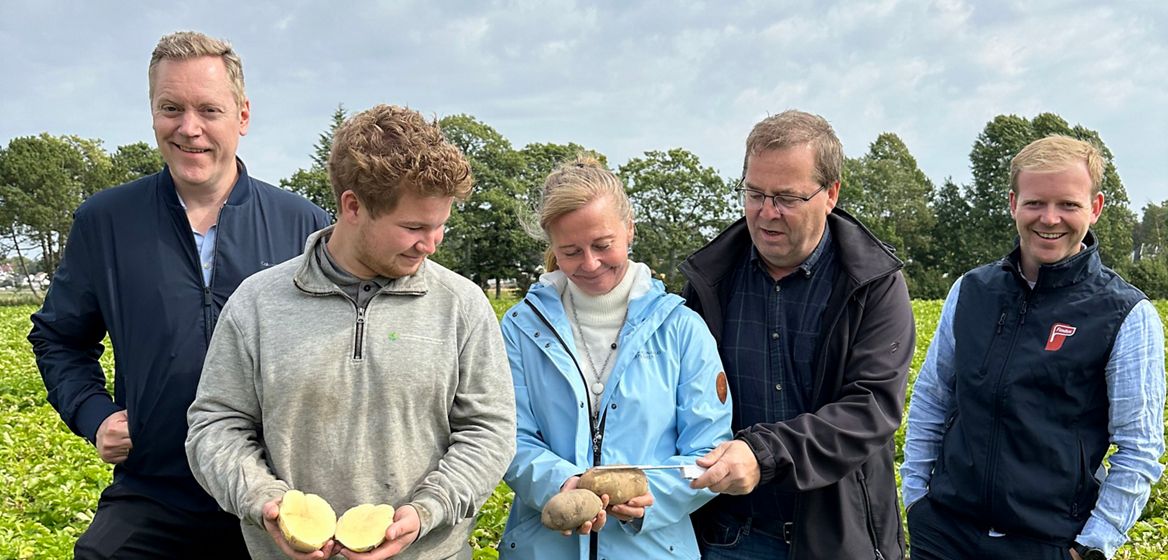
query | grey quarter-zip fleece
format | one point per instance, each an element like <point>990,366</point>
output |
<point>405,401</point>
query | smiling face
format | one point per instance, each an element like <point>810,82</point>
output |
<point>784,239</point>
<point>1053,211</point>
<point>591,245</point>
<point>393,244</point>
<point>197,122</point>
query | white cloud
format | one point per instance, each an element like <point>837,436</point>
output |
<point>620,77</point>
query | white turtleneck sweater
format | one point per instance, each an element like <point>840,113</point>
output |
<point>596,323</point>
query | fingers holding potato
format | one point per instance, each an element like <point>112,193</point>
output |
<point>572,509</point>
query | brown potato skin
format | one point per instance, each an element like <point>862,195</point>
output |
<point>568,510</point>
<point>621,485</point>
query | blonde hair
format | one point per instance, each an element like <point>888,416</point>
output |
<point>1056,153</point>
<point>379,152</point>
<point>796,128</point>
<point>573,185</point>
<point>185,45</point>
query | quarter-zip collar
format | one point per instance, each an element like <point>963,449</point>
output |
<point>312,280</point>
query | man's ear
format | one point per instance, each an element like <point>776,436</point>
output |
<point>833,196</point>
<point>1096,206</point>
<point>244,117</point>
<point>349,207</point>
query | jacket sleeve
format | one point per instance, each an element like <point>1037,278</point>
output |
<point>817,449</point>
<point>223,444</point>
<point>66,340</point>
<point>703,422</point>
<point>482,424</point>
<point>537,472</point>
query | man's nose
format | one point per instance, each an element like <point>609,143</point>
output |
<point>190,124</point>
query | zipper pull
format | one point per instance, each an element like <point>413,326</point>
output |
<point>1001,322</point>
<point>597,439</point>
<point>1022,315</point>
<point>207,299</point>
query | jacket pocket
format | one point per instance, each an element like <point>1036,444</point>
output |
<point>1085,486</point>
<point>869,516</point>
<point>939,466</point>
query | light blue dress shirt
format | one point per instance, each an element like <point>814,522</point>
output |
<point>1135,389</point>
<point>205,247</point>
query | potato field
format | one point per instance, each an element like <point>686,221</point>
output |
<point>50,479</point>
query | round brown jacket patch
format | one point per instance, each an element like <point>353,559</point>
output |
<point>723,387</point>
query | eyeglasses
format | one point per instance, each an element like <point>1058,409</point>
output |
<point>755,199</point>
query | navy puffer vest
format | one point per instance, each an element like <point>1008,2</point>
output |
<point>1030,424</point>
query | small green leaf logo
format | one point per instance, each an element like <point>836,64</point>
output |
<point>393,337</point>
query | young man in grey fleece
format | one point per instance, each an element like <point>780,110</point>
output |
<point>361,371</point>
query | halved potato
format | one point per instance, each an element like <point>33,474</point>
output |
<point>363,527</point>
<point>306,520</point>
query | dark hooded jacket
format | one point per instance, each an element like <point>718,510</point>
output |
<point>839,458</point>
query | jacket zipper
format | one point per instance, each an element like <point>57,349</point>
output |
<point>990,349</point>
<point>987,484</point>
<point>359,332</point>
<point>208,298</point>
<point>820,373</point>
<point>868,515</point>
<point>595,425</point>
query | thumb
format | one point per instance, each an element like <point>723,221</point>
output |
<point>712,457</point>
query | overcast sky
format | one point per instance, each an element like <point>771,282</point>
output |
<point>620,77</point>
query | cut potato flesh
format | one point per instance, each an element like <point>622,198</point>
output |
<point>306,520</point>
<point>363,527</point>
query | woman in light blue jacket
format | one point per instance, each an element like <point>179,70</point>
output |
<point>608,369</point>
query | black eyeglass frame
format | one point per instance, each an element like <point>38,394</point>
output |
<point>790,201</point>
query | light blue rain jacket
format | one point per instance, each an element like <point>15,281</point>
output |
<point>660,406</point>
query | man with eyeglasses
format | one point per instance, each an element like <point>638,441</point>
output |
<point>815,328</point>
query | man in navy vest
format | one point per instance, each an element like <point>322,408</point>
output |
<point>1041,360</point>
<point>151,263</point>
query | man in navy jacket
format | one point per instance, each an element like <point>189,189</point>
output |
<point>151,263</point>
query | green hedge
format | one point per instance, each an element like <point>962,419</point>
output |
<point>51,479</point>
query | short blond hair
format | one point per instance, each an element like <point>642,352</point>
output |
<point>573,185</point>
<point>185,45</point>
<point>1055,153</point>
<point>796,128</point>
<point>380,152</point>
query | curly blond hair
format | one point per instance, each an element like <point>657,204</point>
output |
<point>185,45</point>
<point>381,151</point>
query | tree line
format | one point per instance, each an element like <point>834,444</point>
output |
<point>939,231</point>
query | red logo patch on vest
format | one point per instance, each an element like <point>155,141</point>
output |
<point>1058,333</point>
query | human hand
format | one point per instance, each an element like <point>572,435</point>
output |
<point>593,525</point>
<point>399,536</point>
<point>732,469</point>
<point>1075,555</point>
<point>113,438</point>
<point>632,509</point>
<point>272,524</point>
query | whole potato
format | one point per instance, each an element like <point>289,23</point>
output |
<point>569,510</point>
<point>621,485</point>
